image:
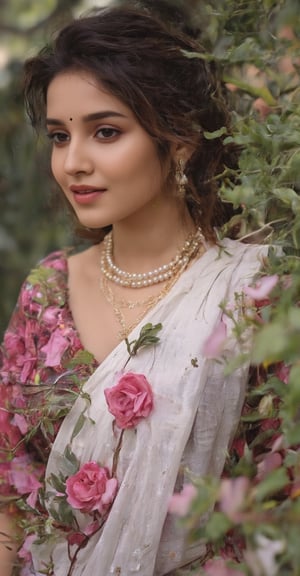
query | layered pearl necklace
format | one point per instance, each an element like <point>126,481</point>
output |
<point>161,274</point>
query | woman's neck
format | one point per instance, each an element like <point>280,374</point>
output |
<point>148,243</point>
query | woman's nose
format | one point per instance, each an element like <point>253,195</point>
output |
<point>77,159</point>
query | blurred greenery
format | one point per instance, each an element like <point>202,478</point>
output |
<point>30,225</point>
<point>256,47</point>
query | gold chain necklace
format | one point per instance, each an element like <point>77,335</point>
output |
<point>119,303</point>
<point>147,304</point>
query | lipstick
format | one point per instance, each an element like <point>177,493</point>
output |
<point>84,194</point>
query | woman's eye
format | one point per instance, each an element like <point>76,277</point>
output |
<point>57,137</point>
<point>107,133</point>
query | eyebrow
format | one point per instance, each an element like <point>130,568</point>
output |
<point>90,117</point>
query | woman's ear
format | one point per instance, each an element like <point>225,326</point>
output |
<point>181,152</point>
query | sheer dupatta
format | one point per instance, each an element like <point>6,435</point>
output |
<point>196,411</point>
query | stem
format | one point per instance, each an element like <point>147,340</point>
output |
<point>116,454</point>
<point>82,545</point>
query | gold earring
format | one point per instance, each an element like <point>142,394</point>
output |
<point>181,179</point>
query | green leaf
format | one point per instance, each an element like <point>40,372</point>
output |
<point>81,357</point>
<point>78,426</point>
<point>217,526</point>
<point>39,275</point>
<point>147,337</point>
<point>215,134</point>
<point>57,483</point>
<point>275,481</point>
<point>270,343</point>
<point>73,463</point>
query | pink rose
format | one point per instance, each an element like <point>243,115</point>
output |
<point>91,489</point>
<point>130,400</point>
<point>180,503</point>
<point>55,348</point>
<point>262,288</point>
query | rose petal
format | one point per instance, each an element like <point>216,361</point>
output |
<point>179,503</point>
<point>54,349</point>
<point>214,344</point>
<point>262,288</point>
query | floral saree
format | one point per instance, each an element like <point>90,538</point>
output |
<point>195,413</point>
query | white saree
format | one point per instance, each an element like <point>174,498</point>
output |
<point>196,411</point>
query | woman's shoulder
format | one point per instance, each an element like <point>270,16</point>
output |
<point>236,248</point>
<point>57,260</point>
<point>46,284</point>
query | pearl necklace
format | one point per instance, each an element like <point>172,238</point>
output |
<point>160,274</point>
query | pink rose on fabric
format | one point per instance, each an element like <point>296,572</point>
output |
<point>91,489</point>
<point>25,550</point>
<point>130,400</point>
<point>262,288</point>
<point>21,476</point>
<point>50,315</point>
<point>21,423</point>
<point>214,344</point>
<point>55,348</point>
<point>30,300</point>
<point>180,503</point>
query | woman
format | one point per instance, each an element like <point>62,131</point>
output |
<point>109,402</point>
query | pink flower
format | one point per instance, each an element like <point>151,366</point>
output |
<point>79,537</point>
<point>30,296</point>
<point>24,552</point>
<point>32,498</point>
<point>214,344</point>
<point>260,106</point>
<point>14,344</point>
<point>55,347</point>
<point>282,372</point>
<point>232,496</point>
<point>130,400</point>
<point>19,421</point>
<point>76,538</point>
<point>180,503</point>
<point>50,315</point>
<point>21,477</point>
<point>218,567</point>
<point>270,462</point>
<point>262,288</point>
<point>91,528</point>
<point>91,489</point>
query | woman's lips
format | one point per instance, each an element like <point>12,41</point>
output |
<point>86,194</point>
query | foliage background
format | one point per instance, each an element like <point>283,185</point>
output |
<point>238,33</point>
<point>256,45</point>
<point>31,225</point>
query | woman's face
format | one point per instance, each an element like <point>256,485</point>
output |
<point>104,161</point>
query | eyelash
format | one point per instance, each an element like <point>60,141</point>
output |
<point>54,137</point>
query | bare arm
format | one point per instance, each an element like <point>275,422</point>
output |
<point>8,545</point>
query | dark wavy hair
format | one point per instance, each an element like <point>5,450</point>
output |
<point>162,75</point>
